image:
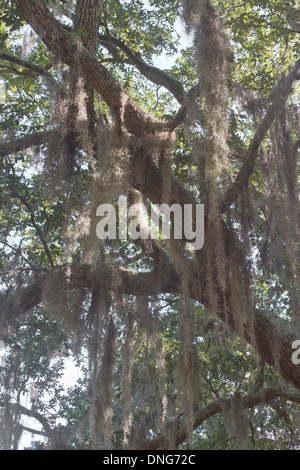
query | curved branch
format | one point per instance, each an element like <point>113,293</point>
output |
<point>152,73</point>
<point>128,282</point>
<point>278,97</point>
<point>33,431</point>
<point>18,408</point>
<point>264,396</point>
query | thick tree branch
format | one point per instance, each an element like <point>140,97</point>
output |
<point>271,343</point>
<point>30,140</point>
<point>262,397</point>
<point>18,408</point>
<point>129,282</point>
<point>33,431</point>
<point>65,46</point>
<point>277,98</point>
<point>87,20</point>
<point>6,69</point>
<point>152,73</point>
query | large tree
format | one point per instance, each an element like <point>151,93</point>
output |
<point>168,339</point>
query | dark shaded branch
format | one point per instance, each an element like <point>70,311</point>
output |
<point>33,431</point>
<point>129,282</point>
<point>6,69</point>
<point>272,344</point>
<point>30,140</point>
<point>37,69</point>
<point>277,98</point>
<point>262,397</point>
<point>152,73</point>
<point>18,408</point>
<point>189,99</point>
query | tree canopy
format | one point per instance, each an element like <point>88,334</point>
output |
<point>146,342</point>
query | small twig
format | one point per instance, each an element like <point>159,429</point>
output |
<point>211,387</point>
<point>37,69</point>
<point>22,256</point>
<point>32,219</point>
